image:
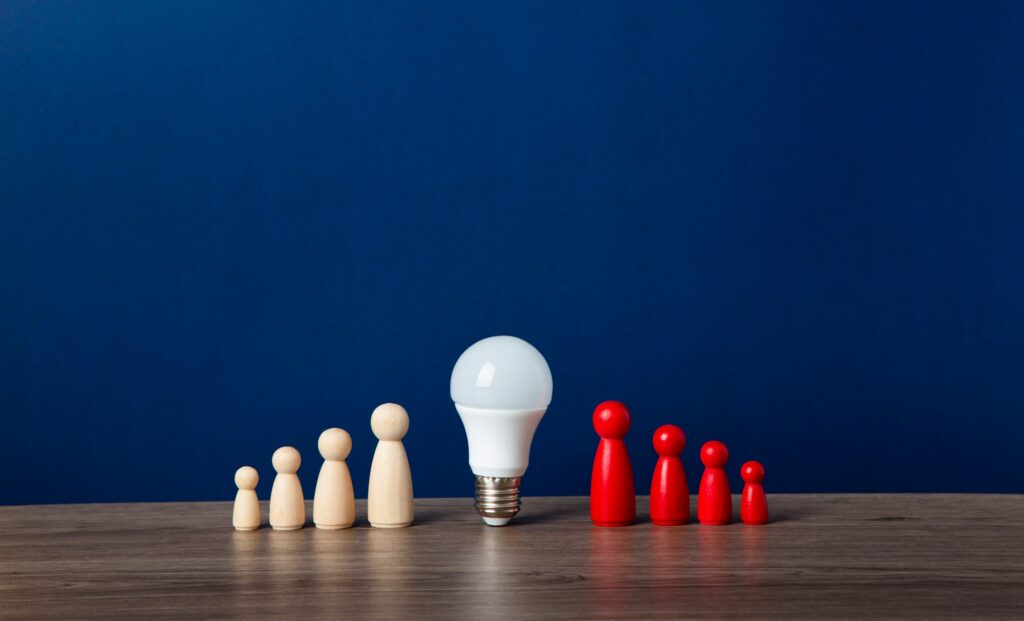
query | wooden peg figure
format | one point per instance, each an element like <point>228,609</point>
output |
<point>753,502</point>
<point>246,515</point>
<point>612,493</point>
<point>670,494</point>
<point>334,502</point>
<point>389,499</point>
<point>287,506</point>
<point>714,500</point>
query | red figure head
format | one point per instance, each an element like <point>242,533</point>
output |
<point>669,440</point>
<point>611,419</point>
<point>752,472</point>
<point>714,454</point>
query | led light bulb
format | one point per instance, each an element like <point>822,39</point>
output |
<point>501,387</point>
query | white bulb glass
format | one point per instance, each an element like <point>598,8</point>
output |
<point>501,387</point>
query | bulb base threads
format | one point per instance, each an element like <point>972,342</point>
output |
<point>497,499</point>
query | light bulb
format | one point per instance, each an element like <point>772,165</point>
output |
<point>501,387</point>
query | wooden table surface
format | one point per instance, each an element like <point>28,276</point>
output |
<point>865,556</point>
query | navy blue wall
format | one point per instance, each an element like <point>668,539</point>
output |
<point>794,226</point>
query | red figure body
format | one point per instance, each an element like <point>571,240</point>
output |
<point>753,503</point>
<point>714,500</point>
<point>612,496</point>
<point>670,495</point>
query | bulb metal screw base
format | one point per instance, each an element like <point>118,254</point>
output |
<point>497,499</point>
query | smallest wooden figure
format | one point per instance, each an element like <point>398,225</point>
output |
<point>753,503</point>
<point>247,506</point>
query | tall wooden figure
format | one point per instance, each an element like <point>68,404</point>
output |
<point>670,494</point>
<point>714,500</point>
<point>389,500</point>
<point>612,494</point>
<point>246,514</point>
<point>287,507</point>
<point>753,502</point>
<point>334,502</point>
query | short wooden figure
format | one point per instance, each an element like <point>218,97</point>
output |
<point>389,499</point>
<point>334,502</point>
<point>287,506</point>
<point>246,515</point>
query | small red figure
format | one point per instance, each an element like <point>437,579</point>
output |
<point>612,496</point>
<point>714,500</point>
<point>670,495</point>
<point>753,503</point>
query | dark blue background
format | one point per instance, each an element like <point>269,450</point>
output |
<point>794,226</point>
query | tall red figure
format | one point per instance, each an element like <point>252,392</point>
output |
<point>753,503</point>
<point>670,495</point>
<point>714,500</point>
<point>612,496</point>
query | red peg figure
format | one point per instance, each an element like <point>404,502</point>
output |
<point>670,495</point>
<point>612,496</point>
<point>714,500</point>
<point>753,503</point>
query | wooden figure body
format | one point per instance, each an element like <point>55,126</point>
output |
<point>287,506</point>
<point>389,498</point>
<point>753,502</point>
<point>246,514</point>
<point>714,499</point>
<point>612,493</point>
<point>670,494</point>
<point>334,501</point>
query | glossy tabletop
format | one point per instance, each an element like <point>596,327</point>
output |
<point>849,556</point>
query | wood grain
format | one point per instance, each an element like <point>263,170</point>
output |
<point>836,556</point>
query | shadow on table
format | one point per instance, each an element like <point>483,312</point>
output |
<point>546,514</point>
